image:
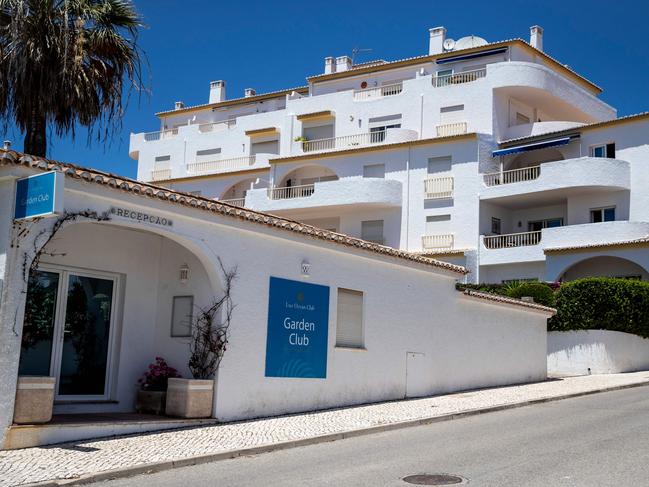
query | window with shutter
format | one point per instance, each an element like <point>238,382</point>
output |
<point>349,326</point>
<point>372,231</point>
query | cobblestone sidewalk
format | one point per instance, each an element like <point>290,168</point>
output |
<point>73,460</point>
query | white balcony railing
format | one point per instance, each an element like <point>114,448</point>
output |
<point>235,201</point>
<point>160,174</point>
<point>429,242</point>
<point>438,188</point>
<point>378,92</point>
<point>344,141</point>
<point>457,78</point>
<point>448,129</point>
<point>512,176</point>
<point>288,192</point>
<point>216,126</point>
<point>512,240</point>
<point>163,134</point>
<point>221,165</point>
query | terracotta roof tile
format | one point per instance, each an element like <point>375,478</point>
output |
<point>507,300</point>
<point>620,243</point>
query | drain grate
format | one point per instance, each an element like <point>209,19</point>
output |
<point>433,479</point>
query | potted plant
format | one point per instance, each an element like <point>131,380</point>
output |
<point>34,399</point>
<point>152,394</point>
<point>303,140</point>
<point>193,398</point>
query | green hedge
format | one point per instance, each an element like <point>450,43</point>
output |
<point>540,291</point>
<point>602,303</point>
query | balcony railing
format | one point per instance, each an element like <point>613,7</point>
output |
<point>163,134</point>
<point>512,240</point>
<point>457,78</point>
<point>235,201</point>
<point>221,165</point>
<point>344,141</point>
<point>512,176</point>
<point>438,188</point>
<point>448,129</point>
<point>429,242</point>
<point>216,126</point>
<point>378,92</point>
<point>160,174</point>
<point>288,192</point>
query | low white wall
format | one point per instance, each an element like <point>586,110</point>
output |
<point>601,351</point>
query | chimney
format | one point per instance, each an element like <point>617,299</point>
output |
<point>330,66</point>
<point>343,63</point>
<point>436,42</point>
<point>248,92</point>
<point>7,145</point>
<point>179,105</point>
<point>536,37</point>
<point>217,91</point>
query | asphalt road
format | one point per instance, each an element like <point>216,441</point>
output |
<point>597,440</point>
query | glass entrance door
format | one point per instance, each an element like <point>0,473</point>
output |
<point>67,331</point>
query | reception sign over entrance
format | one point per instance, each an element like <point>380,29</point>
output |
<point>298,324</point>
<point>39,195</point>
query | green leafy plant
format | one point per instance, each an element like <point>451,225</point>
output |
<point>541,292</point>
<point>300,138</point>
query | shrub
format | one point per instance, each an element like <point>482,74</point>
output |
<point>602,303</point>
<point>156,378</point>
<point>485,288</point>
<point>541,292</point>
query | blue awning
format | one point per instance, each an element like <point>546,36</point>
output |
<point>533,146</point>
<point>464,57</point>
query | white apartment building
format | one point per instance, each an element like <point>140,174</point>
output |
<point>492,155</point>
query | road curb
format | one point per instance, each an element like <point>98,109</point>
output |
<point>213,457</point>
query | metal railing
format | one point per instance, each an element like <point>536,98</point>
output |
<point>160,174</point>
<point>344,141</point>
<point>288,192</point>
<point>437,241</point>
<point>221,165</point>
<point>448,129</point>
<point>235,201</point>
<point>437,188</point>
<point>378,92</point>
<point>163,134</point>
<point>512,240</point>
<point>512,176</point>
<point>458,78</point>
<point>216,126</point>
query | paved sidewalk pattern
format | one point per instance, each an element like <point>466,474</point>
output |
<point>72,460</point>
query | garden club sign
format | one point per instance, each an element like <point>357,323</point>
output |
<point>298,324</point>
<point>39,195</point>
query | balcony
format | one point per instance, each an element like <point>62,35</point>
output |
<point>346,193</point>
<point>232,164</point>
<point>438,188</point>
<point>552,179</point>
<point>161,135</point>
<point>512,240</point>
<point>437,242</point>
<point>458,78</point>
<point>343,142</point>
<point>160,174</point>
<point>235,202</point>
<point>206,128</point>
<point>450,129</point>
<point>378,92</point>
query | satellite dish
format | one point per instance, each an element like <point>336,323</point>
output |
<point>470,41</point>
<point>449,44</point>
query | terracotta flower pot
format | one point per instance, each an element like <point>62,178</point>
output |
<point>34,399</point>
<point>190,398</point>
<point>151,402</point>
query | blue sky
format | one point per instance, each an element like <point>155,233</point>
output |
<point>270,45</point>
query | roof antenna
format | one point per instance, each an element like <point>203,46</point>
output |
<point>358,50</point>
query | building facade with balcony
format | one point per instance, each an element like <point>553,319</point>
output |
<point>492,155</point>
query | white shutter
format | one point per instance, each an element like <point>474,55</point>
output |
<point>349,327</point>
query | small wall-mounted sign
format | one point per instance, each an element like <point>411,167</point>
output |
<point>141,217</point>
<point>39,195</point>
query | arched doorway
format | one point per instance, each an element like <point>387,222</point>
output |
<point>305,175</point>
<point>605,266</point>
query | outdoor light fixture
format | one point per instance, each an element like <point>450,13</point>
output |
<point>184,273</point>
<point>306,268</point>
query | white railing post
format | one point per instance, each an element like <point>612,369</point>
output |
<point>344,141</point>
<point>449,129</point>
<point>377,92</point>
<point>458,78</point>
<point>512,176</point>
<point>437,188</point>
<point>221,165</point>
<point>429,242</point>
<point>512,240</point>
<point>288,192</point>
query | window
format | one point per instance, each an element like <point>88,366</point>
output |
<point>162,162</point>
<point>603,150</point>
<point>207,155</point>
<point>181,316</point>
<point>496,225</point>
<point>438,218</point>
<point>378,133</point>
<point>522,119</point>
<point>163,159</point>
<point>349,325</point>
<point>270,147</point>
<point>435,224</point>
<point>372,231</point>
<point>439,164</point>
<point>374,171</point>
<point>598,215</point>
<point>537,225</point>
<point>452,108</point>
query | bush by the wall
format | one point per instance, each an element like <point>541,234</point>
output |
<point>540,291</point>
<point>602,303</point>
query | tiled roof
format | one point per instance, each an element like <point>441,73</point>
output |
<point>620,243</point>
<point>148,190</point>
<point>594,125</point>
<point>507,300</point>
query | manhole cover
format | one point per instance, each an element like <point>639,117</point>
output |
<point>433,479</point>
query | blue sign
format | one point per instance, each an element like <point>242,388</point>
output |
<point>298,326</point>
<point>39,195</point>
